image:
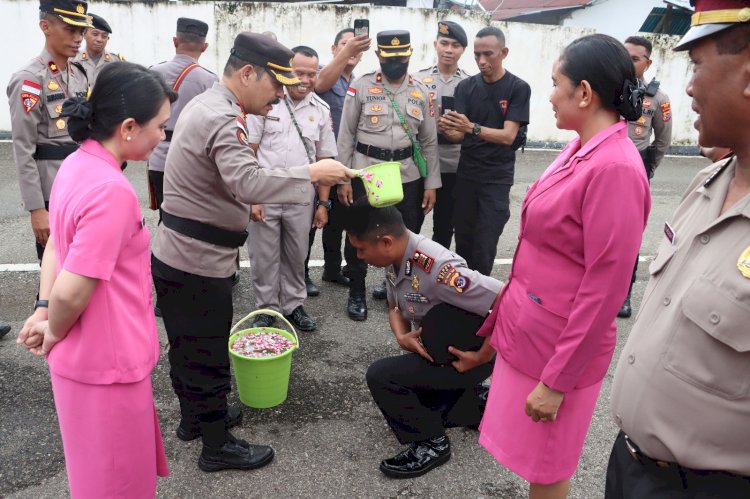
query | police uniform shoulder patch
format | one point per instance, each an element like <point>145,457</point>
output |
<point>242,132</point>
<point>423,261</point>
<point>30,92</point>
<point>417,94</point>
<point>448,275</point>
<point>666,111</point>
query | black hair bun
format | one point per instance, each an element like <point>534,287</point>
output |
<point>80,114</point>
<point>630,101</point>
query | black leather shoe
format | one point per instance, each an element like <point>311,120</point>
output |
<point>187,432</point>
<point>299,318</point>
<point>235,454</point>
<point>312,289</point>
<point>380,293</point>
<point>338,278</point>
<point>418,459</point>
<point>264,320</point>
<point>4,328</point>
<point>626,310</point>
<point>236,278</point>
<point>356,307</point>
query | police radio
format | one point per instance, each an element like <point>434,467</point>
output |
<point>652,87</point>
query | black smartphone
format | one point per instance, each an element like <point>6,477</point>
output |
<point>447,103</point>
<point>361,27</point>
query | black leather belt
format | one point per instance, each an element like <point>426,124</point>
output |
<point>203,232</point>
<point>52,151</point>
<point>383,154</point>
<point>168,133</point>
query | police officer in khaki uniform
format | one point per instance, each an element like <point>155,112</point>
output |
<point>96,55</point>
<point>35,94</point>
<point>371,132</point>
<point>212,178</point>
<point>681,390</point>
<point>441,80</point>
<point>295,132</point>
<point>418,397</point>
<point>656,118</point>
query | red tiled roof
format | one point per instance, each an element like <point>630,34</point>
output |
<point>505,9</point>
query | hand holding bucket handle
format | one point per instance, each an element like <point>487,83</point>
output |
<point>267,312</point>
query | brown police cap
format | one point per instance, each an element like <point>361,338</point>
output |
<point>263,51</point>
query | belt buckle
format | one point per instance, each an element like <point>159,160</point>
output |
<point>632,449</point>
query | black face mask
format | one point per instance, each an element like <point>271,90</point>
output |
<point>394,70</point>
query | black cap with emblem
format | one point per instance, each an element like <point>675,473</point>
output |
<point>99,23</point>
<point>445,325</point>
<point>263,51</point>
<point>192,27</point>
<point>70,12</point>
<point>449,29</point>
<point>395,43</point>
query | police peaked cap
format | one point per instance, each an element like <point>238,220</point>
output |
<point>267,53</point>
<point>70,12</point>
<point>713,16</point>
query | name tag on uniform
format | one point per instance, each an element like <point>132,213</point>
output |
<point>272,118</point>
<point>669,232</point>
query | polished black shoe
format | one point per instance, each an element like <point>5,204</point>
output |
<point>380,293</point>
<point>626,310</point>
<point>235,454</point>
<point>4,328</point>
<point>356,307</point>
<point>338,278</point>
<point>236,278</point>
<point>299,318</point>
<point>264,320</point>
<point>312,289</point>
<point>190,431</point>
<point>418,459</point>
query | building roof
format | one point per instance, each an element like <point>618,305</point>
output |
<point>506,9</point>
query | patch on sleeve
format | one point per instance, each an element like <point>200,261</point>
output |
<point>422,260</point>
<point>666,111</point>
<point>449,276</point>
<point>30,92</point>
<point>351,92</point>
<point>242,132</point>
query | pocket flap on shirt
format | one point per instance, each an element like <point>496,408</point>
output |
<point>718,313</point>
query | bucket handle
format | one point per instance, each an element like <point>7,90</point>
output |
<point>267,312</point>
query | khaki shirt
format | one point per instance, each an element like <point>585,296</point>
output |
<point>430,275</point>
<point>92,66</point>
<point>438,86</point>
<point>368,117</point>
<point>657,117</point>
<point>36,93</point>
<point>195,83</point>
<point>682,386</point>
<point>280,145</point>
<point>213,176</point>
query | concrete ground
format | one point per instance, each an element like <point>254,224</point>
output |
<point>329,437</point>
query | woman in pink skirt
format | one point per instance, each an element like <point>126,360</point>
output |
<point>553,325</point>
<point>100,336</point>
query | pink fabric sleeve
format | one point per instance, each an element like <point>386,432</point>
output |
<point>104,224</point>
<point>614,213</point>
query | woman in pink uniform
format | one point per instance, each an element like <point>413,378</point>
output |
<point>100,336</point>
<point>581,226</point>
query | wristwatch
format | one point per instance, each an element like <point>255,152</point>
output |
<point>327,203</point>
<point>41,303</point>
<point>476,130</point>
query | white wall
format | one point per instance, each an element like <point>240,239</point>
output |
<point>143,33</point>
<point>618,18</point>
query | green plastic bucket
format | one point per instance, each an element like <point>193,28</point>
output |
<point>383,184</point>
<point>262,382</point>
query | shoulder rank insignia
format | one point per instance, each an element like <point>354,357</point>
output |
<point>743,263</point>
<point>30,92</point>
<point>417,94</point>
<point>449,276</point>
<point>429,79</point>
<point>422,260</point>
<point>53,67</point>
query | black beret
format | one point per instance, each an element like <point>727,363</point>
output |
<point>445,325</point>
<point>192,27</point>
<point>71,12</point>
<point>99,23</point>
<point>395,43</point>
<point>449,29</point>
<point>264,51</point>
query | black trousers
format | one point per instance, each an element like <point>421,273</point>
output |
<point>39,247</point>
<point>631,479</point>
<point>332,233</point>
<point>197,313</point>
<point>480,215</point>
<point>156,179</point>
<point>442,218</point>
<point>413,214</point>
<point>420,399</point>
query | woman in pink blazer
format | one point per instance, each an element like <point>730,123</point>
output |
<point>581,226</point>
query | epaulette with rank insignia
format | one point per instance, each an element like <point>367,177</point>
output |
<point>718,171</point>
<point>423,261</point>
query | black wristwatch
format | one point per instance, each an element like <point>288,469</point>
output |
<point>476,130</point>
<point>327,203</point>
<point>41,303</point>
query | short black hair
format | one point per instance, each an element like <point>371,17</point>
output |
<point>642,42</point>
<point>603,62</point>
<point>368,223</point>
<point>733,40</point>
<point>123,90</point>
<point>190,40</point>
<point>492,31</point>
<point>234,64</point>
<point>341,34</point>
<point>305,50</point>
